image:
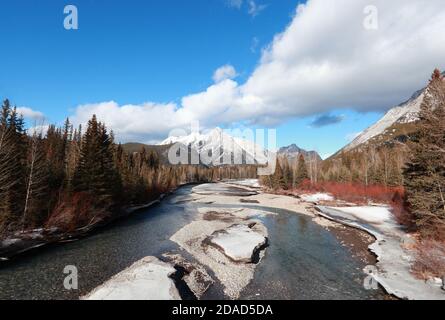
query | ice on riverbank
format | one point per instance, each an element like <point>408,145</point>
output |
<point>147,279</point>
<point>239,242</point>
<point>394,261</point>
<point>196,237</point>
<point>252,183</point>
<point>317,197</point>
<point>373,215</point>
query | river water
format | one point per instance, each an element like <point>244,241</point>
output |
<point>303,261</point>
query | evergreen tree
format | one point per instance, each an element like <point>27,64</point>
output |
<point>96,173</point>
<point>278,180</point>
<point>301,173</point>
<point>424,175</point>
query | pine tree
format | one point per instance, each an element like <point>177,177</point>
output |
<point>424,175</point>
<point>12,158</point>
<point>96,173</point>
<point>301,174</point>
<point>278,180</point>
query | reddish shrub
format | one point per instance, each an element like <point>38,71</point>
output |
<point>354,192</point>
<point>401,212</point>
<point>430,259</point>
<point>361,194</point>
<point>75,211</point>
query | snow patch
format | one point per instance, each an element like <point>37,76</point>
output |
<point>147,279</point>
<point>374,215</point>
<point>394,261</point>
<point>252,183</point>
<point>317,197</point>
<point>239,242</point>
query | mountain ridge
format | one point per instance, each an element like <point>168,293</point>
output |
<point>405,113</point>
<point>292,152</point>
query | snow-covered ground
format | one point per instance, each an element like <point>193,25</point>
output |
<point>252,183</point>
<point>317,197</point>
<point>147,279</point>
<point>239,242</point>
<point>394,261</point>
<point>194,239</point>
<point>373,215</point>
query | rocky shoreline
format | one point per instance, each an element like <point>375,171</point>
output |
<point>224,246</point>
<point>24,242</point>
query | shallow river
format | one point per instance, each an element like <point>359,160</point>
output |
<point>303,261</point>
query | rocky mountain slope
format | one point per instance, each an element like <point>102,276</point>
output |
<point>220,145</point>
<point>402,116</point>
<point>292,152</point>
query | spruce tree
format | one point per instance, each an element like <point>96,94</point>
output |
<point>278,179</point>
<point>301,174</point>
<point>12,167</point>
<point>424,175</point>
<point>96,173</point>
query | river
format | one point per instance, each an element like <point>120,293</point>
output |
<point>303,261</point>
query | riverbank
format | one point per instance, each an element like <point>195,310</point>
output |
<point>23,242</point>
<point>227,241</point>
<point>186,230</point>
<point>394,258</point>
<point>384,239</point>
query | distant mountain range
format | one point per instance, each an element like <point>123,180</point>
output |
<point>292,152</point>
<point>397,123</point>
<point>223,143</point>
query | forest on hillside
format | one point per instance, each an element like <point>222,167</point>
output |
<point>68,178</point>
<point>408,174</point>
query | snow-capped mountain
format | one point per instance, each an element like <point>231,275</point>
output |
<point>292,152</point>
<point>406,112</point>
<point>222,146</point>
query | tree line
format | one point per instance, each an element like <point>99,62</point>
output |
<point>70,178</point>
<point>416,164</point>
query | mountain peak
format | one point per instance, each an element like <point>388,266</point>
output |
<point>293,152</point>
<point>406,112</point>
<point>217,140</point>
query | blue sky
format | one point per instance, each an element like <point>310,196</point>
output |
<point>135,52</point>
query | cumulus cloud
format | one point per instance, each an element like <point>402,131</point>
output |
<point>324,60</point>
<point>30,113</point>
<point>325,120</point>
<point>224,73</point>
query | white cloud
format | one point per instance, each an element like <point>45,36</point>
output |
<point>224,73</point>
<point>30,113</point>
<point>132,122</point>
<point>254,8</point>
<point>41,129</point>
<point>324,60</point>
